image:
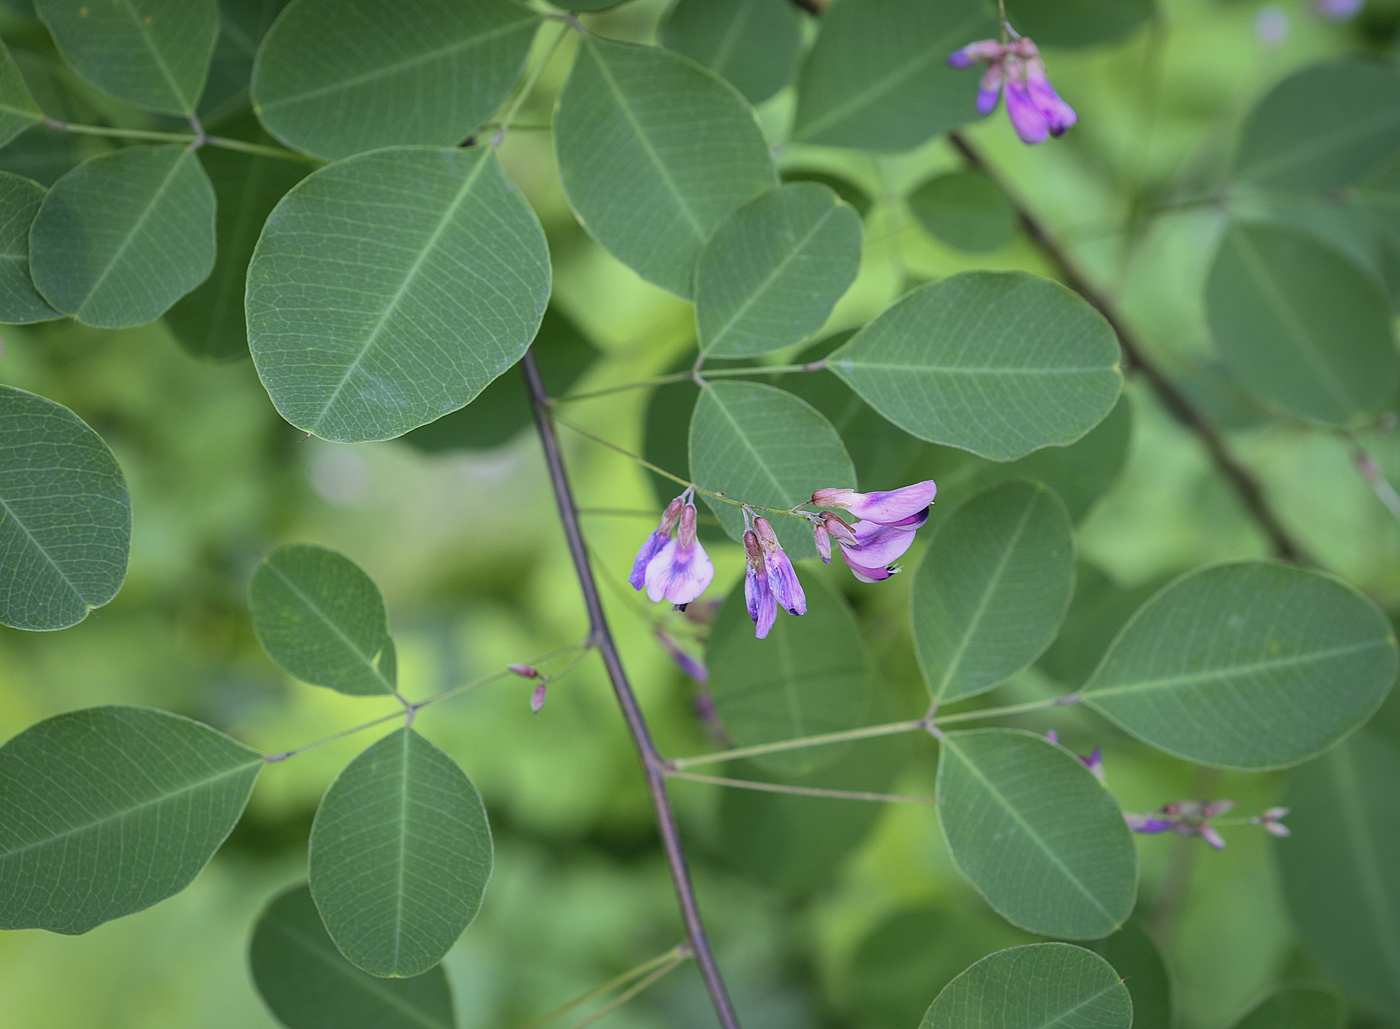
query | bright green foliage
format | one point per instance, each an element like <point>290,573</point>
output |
<point>1302,327</point>
<point>105,811</point>
<point>154,53</point>
<point>449,282</point>
<point>18,110</point>
<point>878,76</point>
<point>400,856</point>
<point>308,984</point>
<point>752,44</point>
<point>999,363</point>
<point>1339,869</point>
<point>992,588</point>
<point>1247,665</point>
<point>1139,964</point>
<point>123,236</point>
<point>653,152</point>
<point>809,676</point>
<point>1036,833</point>
<point>322,619</point>
<point>764,446</point>
<point>1039,986</point>
<point>1297,1007</point>
<point>210,322</point>
<point>65,516</point>
<point>19,203</point>
<point>1322,128</point>
<point>335,77</point>
<point>1077,22</point>
<point>774,269</point>
<point>966,210</point>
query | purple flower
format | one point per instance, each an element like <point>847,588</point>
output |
<point>691,666</point>
<point>681,570</point>
<point>1338,10</point>
<point>1147,823</point>
<point>653,544</point>
<point>1187,818</point>
<point>892,507</point>
<point>1017,70</point>
<point>537,698</point>
<point>1270,820</point>
<point>758,595</point>
<point>782,577</point>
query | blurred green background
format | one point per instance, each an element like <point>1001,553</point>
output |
<point>469,555</point>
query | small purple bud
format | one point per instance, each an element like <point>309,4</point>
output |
<point>691,666</point>
<point>525,671</point>
<point>1207,832</point>
<point>1094,762</point>
<point>1053,736</point>
<point>1148,824</point>
<point>537,698</point>
<point>886,508</point>
<point>821,536</point>
<point>989,90</point>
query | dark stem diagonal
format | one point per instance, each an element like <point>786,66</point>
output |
<point>653,765</point>
<point>1178,403</point>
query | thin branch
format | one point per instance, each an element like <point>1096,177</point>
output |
<point>1181,406</point>
<point>694,373</point>
<point>627,994</point>
<point>675,955</point>
<point>652,764</point>
<point>868,732</point>
<point>801,791</point>
<point>1011,709</point>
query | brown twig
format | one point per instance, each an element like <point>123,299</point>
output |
<point>653,765</point>
<point>1136,359</point>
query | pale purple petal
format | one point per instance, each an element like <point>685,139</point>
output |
<point>1052,736</point>
<point>960,59</point>
<point>763,608</point>
<point>863,573</point>
<point>1027,119</point>
<point>650,549</point>
<point>1059,115</point>
<point>690,665</point>
<point>885,507</point>
<point>1094,762</point>
<point>679,574</point>
<point>782,579</point>
<point>1277,829</point>
<point>878,544</point>
<point>1213,838</point>
<point>821,536</point>
<point>989,89</point>
<point>1148,824</point>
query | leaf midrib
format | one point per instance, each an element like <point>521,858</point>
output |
<point>9,512</point>
<point>316,609</point>
<point>185,104</point>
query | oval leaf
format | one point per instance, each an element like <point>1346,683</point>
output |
<point>763,446</point>
<point>809,676</point>
<point>878,76</point>
<point>123,236</point>
<point>1323,127</point>
<point>1036,833</point>
<point>336,77</point>
<point>653,152</point>
<point>1297,1007</point>
<point>448,285</point>
<point>1340,876</point>
<point>18,111</point>
<point>308,984</point>
<point>106,811</point>
<point>1247,665</point>
<point>65,516</point>
<point>774,269</point>
<point>965,209</point>
<point>154,53</point>
<point>20,302</point>
<point>999,363</point>
<point>322,619</point>
<point>400,854</point>
<point>1039,986</point>
<point>752,44</point>
<point>992,588</point>
<point>1301,326</point>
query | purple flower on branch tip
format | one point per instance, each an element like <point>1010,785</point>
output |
<point>1017,70</point>
<point>782,577</point>
<point>681,570</point>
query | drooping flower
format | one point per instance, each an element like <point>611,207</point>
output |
<point>537,698</point>
<point>1271,821</point>
<point>782,577</point>
<point>690,665</point>
<point>889,520</point>
<point>758,595</point>
<point>1017,70</point>
<point>675,568</point>
<point>890,507</point>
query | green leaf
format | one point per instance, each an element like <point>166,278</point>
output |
<point>20,302</point>
<point>774,269</point>
<point>65,516</point>
<point>1035,833</point>
<point>999,363</point>
<point>336,77</point>
<point>1039,986</point>
<point>123,236</point>
<point>1340,876</point>
<point>308,984</point>
<point>106,811</point>
<point>752,44</point>
<point>991,589</point>
<point>1138,962</point>
<point>1297,1007</point>
<point>763,446</point>
<point>210,322</point>
<point>154,53</point>
<point>1301,326</point>
<point>322,619</point>
<point>242,26</point>
<point>844,188</point>
<point>966,210</point>
<point>400,855</point>
<point>1247,665</point>
<point>448,285</point>
<point>18,111</point>
<point>1100,608</point>
<point>653,151</point>
<point>502,410</point>
<point>810,676</point>
<point>878,76</point>
<point>1323,127</point>
<point>1078,22</point>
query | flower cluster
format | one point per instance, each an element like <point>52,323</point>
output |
<point>675,568</point>
<point>770,581</point>
<point>1016,69</point>
<point>885,531</point>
